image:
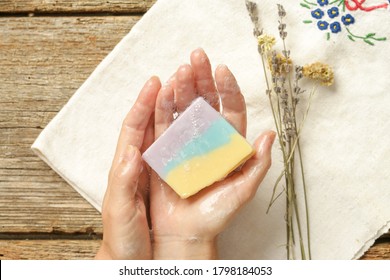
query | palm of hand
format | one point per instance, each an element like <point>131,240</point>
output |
<point>204,215</point>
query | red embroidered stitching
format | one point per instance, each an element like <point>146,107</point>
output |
<point>358,4</point>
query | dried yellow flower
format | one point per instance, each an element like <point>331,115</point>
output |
<point>279,64</point>
<point>266,42</point>
<point>320,72</point>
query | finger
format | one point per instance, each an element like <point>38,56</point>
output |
<point>136,121</point>
<point>233,102</point>
<point>124,181</point>
<point>125,226</point>
<point>184,89</point>
<point>160,191</point>
<point>149,135</point>
<point>163,116</point>
<point>204,81</point>
<point>254,170</point>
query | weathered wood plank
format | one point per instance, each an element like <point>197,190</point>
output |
<point>42,63</point>
<point>24,119</point>
<point>48,249</point>
<point>35,207</point>
<point>86,249</point>
<point>28,163</point>
<point>44,60</point>
<point>379,251</point>
<point>75,6</point>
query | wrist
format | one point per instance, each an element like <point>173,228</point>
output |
<point>185,248</point>
<point>103,254</point>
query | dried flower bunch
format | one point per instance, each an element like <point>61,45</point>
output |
<point>284,94</point>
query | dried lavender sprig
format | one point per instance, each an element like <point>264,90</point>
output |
<point>281,11</point>
<point>254,15</point>
<point>294,101</point>
<point>291,136</point>
<point>289,122</point>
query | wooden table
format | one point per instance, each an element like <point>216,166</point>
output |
<point>47,49</point>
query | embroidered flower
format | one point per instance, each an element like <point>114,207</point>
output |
<point>348,19</point>
<point>322,2</point>
<point>318,14</point>
<point>322,25</point>
<point>333,12</point>
<point>333,18</point>
<point>335,27</point>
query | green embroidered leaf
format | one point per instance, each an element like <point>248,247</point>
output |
<point>310,3</point>
<point>369,42</point>
<point>307,21</point>
<point>327,36</point>
<point>351,38</point>
<point>369,35</point>
<point>381,39</point>
<point>305,6</point>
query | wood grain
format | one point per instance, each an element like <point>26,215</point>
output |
<point>43,60</point>
<point>42,63</point>
<point>48,249</point>
<point>45,207</point>
<point>86,249</point>
<point>379,251</point>
<point>75,6</point>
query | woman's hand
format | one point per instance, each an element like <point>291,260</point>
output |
<point>125,205</point>
<point>188,228</point>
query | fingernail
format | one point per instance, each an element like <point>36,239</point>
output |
<point>199,53</point>
<point>152,80</point>
<point>199,50</point>
<point>184,67</point>
<point>184,73</point>
<point>267,142</point>
<point>222,66</point>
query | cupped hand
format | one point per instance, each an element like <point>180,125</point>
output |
<point>125,205</point>
<point>188,228</point>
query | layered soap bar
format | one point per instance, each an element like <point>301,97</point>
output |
<point>199,148</point>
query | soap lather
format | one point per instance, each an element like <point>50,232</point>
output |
<point>199,148</point>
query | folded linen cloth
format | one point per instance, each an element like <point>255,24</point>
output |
<point>344,140</point>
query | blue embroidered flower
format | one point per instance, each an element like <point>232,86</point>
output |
<point>335,27</point>
<point>333,12</point>
<point>322,25</point>
<point>332,17</point>
<point>322,2</point>
<point>348,19</point>
<point>317,13</point>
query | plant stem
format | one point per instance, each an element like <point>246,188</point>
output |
<point>279,127</point>
<point>303,173</point>
<point>306,202</point>
<point>274,190</point>
<point>291,163</point>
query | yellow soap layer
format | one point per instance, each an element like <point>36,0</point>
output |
<point>202,171</point>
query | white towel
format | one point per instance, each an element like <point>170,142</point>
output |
<point>345,140</point>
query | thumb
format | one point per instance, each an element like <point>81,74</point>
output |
<point>255,169</point>
<point>124,179</point>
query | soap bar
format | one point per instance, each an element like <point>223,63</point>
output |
<point>199,148</point>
